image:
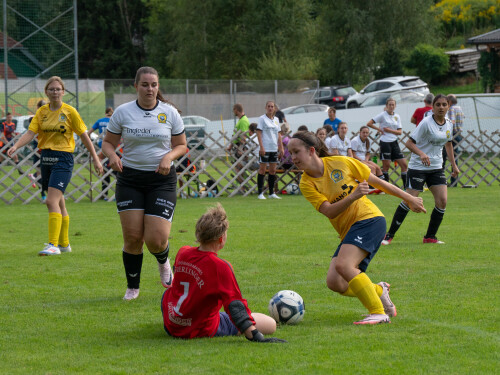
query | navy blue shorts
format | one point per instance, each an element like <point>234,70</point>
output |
<point>269,157</point>
<point>226,326</point>
<point>56,168</point>
<point>367,235</point>
<point>151,192</point>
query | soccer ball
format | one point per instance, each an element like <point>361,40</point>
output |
<point>287,307</point>
<point>292,189</point>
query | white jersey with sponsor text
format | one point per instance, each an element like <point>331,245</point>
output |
<point>342,145</point>
<point>430,137</point>
<point>146,134</point>
<point>270,129</point>
<point>385,120</point>
<point>359,148</point>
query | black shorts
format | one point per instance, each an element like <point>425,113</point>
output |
<point>416,178</point>
<point>390,151</point>
<point>148,191</point>
<point>269,157</point>
<point>56,168</point>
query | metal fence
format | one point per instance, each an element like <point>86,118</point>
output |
<point>214,172</point>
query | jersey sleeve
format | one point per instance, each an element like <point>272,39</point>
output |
<point>261,124</point>
<point>114,125</point>
<point>419,132</point>
<point>229,289</point>
<point>35,122</point>
<point>379,118</point>
<point>333,143</point>
<point>177,123</point>
<point>77,123</point>
<point>360,171</point>
<point>310,192</point>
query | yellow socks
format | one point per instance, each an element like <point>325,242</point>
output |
<point>349,293</point>
<point>55,222</point>
<point>64,235</point>
<point>362,287</point>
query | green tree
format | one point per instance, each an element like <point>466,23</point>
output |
<point>354,36</point>
<point>111,38</point>
<point>221,39</point>
<point>429,62</point>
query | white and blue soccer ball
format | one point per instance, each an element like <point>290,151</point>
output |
<point>287,307</point>
<point>292,189</point>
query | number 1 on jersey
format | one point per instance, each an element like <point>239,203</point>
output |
<point>183,297</point>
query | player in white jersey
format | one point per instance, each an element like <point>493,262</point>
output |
<point>389,128</point>
<point>153,137</point>
<point>271,149</point>
<point>426,144</point>
<point>360,146</point>
<point>340,144</point>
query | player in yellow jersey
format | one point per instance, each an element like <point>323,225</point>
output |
<point>55,123</point>
<point>337,186</point>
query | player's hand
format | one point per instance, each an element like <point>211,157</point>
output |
<point>259,337</point>
<point>164,167</point>
<point>425,160</point>
<point>115,163</point>
<point>98,167</point>
<point>280,153</point>
<point>11,151</point>
<point>362,189</point>
<point>262,152</point>
<point>455,172</point>
<point>417,205</point>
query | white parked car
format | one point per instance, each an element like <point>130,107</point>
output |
<point>400,97</point>
<point>389,84</point>
<point>305,108</point>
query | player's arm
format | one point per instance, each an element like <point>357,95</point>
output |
<point>413,120</point>
<point>451,157</point>
<point>90,147</point>
<point>349,152</point>
<point>371,124</point>
<point>23,141</point>
<point>109,145</point>
<point>262,150</point>
<point>416,204</point>
<point>332,210</point>
<point>243,322</point>
<point>412,146</point>
<point>179,149</point>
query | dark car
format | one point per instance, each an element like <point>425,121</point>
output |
<point>332,96</point>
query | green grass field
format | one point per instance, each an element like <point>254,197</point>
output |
<point>65,314</point>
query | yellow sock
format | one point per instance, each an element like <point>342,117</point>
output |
<point>349,293</point>
<point>363,288</point>
<point>55,222</point>
<point>64,235</point>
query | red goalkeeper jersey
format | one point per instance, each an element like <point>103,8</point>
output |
<point>203,283</point>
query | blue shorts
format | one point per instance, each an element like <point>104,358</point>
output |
<point>56,168</point>
<point>367,235</point>
<point>226,326</point>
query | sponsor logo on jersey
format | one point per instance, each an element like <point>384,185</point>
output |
<point>60,129</point>
<point>336,175</point>
<point>147,114</point>
<point>162,118</point>
<point>448,135</point>
<point>62,117</point>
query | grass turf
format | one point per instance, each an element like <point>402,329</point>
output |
<point>64,314</point>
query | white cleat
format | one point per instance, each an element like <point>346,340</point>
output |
<point>374,319</point>
<point>65,249</point>
<point>261,196</point>
<point>131,294</point>
<point>389,307</point>
<point>49,249</point>
<point>274,196</point>
<point>165,274</point>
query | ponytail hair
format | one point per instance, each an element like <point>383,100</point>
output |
<point>367,142</point>
<point>310,140</point>
<point>149,70</point>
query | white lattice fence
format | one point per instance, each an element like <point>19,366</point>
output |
<point>219,173</point>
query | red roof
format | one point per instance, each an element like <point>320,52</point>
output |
<point>10,74</point>
<point>10,42</point>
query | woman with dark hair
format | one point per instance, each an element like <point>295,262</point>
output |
<point>56,123</point>
<point>271,149</point>
<point>340,144</point>
<point>153,137</point>
<point>390,128</point>
<point>426,145</point>
<point>330,184</point>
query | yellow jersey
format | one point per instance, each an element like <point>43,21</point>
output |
<point>55,129</point>
<point>338,181</point>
